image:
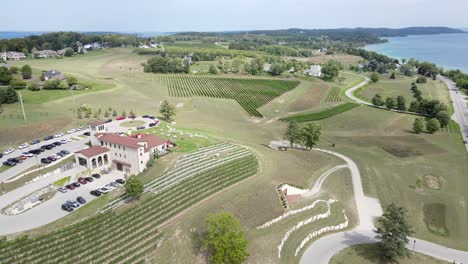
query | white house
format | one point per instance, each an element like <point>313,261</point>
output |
<point>144,46</point>
<point>44,54</point>
<point>12,55</point>
<point>129,154</point>
<point>314,70</point>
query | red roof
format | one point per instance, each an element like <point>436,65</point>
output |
<point>93,151</point>
<point>133,142</point>
<point>97,123</point>
<point>152,140</point>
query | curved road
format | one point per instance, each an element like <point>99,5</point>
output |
<point>322,250</point>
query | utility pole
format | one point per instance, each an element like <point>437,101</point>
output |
<point>22,107</point>
<point>74,108</point>
<point>414,245</point>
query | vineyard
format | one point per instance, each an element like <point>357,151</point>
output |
<point>250,93</point>
<point>307,117</point>
<point>130,236</point>
<point>333,95</point>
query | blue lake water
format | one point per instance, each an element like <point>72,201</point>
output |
<point>447,50</point>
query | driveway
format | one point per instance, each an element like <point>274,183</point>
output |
<point>50,210</point>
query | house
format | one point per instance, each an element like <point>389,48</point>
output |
<point>12,55</point>
<point>314,70</point>
<point>87,46</point>
<point>266,67</point>
<point>61,52</point>
<point>44,54</point>
<point>53,74</point>
<point>144,46</point>
<point>129,154</point>
<point>96,45</point>
<point>153,45</point>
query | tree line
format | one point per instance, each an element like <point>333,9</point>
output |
<point>308,135</point>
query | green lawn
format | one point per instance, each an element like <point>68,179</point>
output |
<point>369,253</point>
<point>307,117</point>
<point>61,182</point>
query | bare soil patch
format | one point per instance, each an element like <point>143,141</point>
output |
<point>432,182</point>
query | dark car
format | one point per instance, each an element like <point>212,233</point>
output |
<point>141,127</point>
<point>108,120</point>
<point>35,151</point>
<point>70,187</point>
<point>81,200</point>
<point>45,161</point>
<point>87,134</point>
<point>52,158</point>
<point>132,116</point>
<point>75,184</point>
<point>1,155</point>
<point>152,124</point>
<point>15,160</point>
<point>35,141</point>
<point>57,143</point>
<point>67,207</point>
<point>152,117</point>
<point>121,181</point>
<point>95,193</point>
<point>89,179</point>
<point>60,154</point>
<point>9,163</point>
<point>65,152</point>
<point>48,137</point>
<point>82,180</point>
<point>145,116</point>
<point>48,147</point>
<point>96,175</point>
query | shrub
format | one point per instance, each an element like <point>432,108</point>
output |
<point>421,79</point>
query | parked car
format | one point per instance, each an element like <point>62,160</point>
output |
<point>121,181</point>
<point>22,146</point>
<point>152,117</point>
<point>95,192</point>
<point>57,157</point>
<point>59,154</point>
<point>65,152</point>
<point>75,184</point>
<point>132,116</point>
<point>145,116</point>
<point>48,147</point>
<point>22,157</point>
<point>9,163</point>
<point>120,118</point>
<point>46,161</point>
<point>114,184</point>
<point>87,134</point>
<point>82,180</point>
<point>70,187</point>
<point>82,127</point>
<point>140,127</point>
<point>81,200</point>
<point>1,155</point>
<point>96,175</point>
<point>108,120</point>
<point>63,141</point>
<point>58,135</point>
<point>35,141</point>
<point>62,190</point>
<point>48,137</point>
<point>152,124</point>
<point>57,143</point>
<point>16,160</point>
<point>52,158</point>
<point>89,179</point>
<point>71,131</point>
<point>67,208</point>
<point>103,190</point>
<point>28,154</point>
<point>8,151</point>
<point>73,204</point>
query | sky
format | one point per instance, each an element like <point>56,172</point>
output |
<point>222,15</point>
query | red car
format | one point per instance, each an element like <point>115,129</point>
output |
<point>82,180</point>
<point>70,187</point>
<point>120,118</point>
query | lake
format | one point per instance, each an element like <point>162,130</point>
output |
<point>447,50</point>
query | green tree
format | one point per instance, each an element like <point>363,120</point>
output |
<point>276,69</point>
<point>106,114</point>
<point>432,125</point>
<point>310,135</point>
<point>224,239</point>
<point>330,71</point>
<point>5,75</point>
<point>114,113</point>
<point>14,70</point>
<point>393,76</point>
<point>401,103</point>
<point>72,80</point>
<point>390,103</point>
<point>124,113</point>
<point>134,187</point>
<point>69,52</point>
<point>33,87</point>
<point>26,71</point>
<point>375,77</point>
<point>421,79</point>
<point>393,231</point>
<point>18,84</point>
<point>213,69</point>
<point>443,117</point>
<point>167,110</point>
<point>293,133</point>
<point>418,125</point>
<point>8,96</point>
<point>378,100</point>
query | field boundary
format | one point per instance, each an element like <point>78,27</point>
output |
<point>315,116</point>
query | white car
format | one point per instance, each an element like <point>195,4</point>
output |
<point>58,135</point>
<point>68,140</point>
<point>103,190</point>
<point>24,145</point>
<point>57,156</point>
<point>27,154</point>
<point>71,131</point>
<point>109,187</point>
<point>8,151</point>
<point>63,141</point>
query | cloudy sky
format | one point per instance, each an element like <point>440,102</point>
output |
<point>218,15</point>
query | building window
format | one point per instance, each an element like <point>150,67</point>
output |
<point>120,155</point>
<point>124,148</point>
<point>141,162</point>
<point>102,143</point>
<point>141,154</point>
<point>119,146</point>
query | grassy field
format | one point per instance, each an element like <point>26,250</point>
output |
<point>369,253</point>
<point>390,157</point>
<point>307,117</point>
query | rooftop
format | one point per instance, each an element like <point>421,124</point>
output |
<point>132,142</point>
<point>93,151</point>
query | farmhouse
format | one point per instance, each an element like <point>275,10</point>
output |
<point>129,154</point>
<point>314,70</point>
<point>44,54</point>
<point>53,74</point>
<point>12,55</point>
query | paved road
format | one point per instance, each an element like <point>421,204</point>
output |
<point>350,92</point>
<point>73,146</point>
<point>322,250</point>
<point>461,111</point>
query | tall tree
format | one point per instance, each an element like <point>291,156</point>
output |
<point>390,103</point>
<point>418,125</point>
<point>432,125</point>
<point>293,133</point>
<point>5,75</point>
<point>401,103</point>
<point>8,96</point>
<point>393,76</point>
<point>224,239</point>
<point>310,135</point>
<point>378,100</point>
<point>393,231</point>
<point>26,71</point>
<point>134,186</point>
<point>330,70</point>
<point>375,77</point>
<point>167,110</point>
<point>443,117</point>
